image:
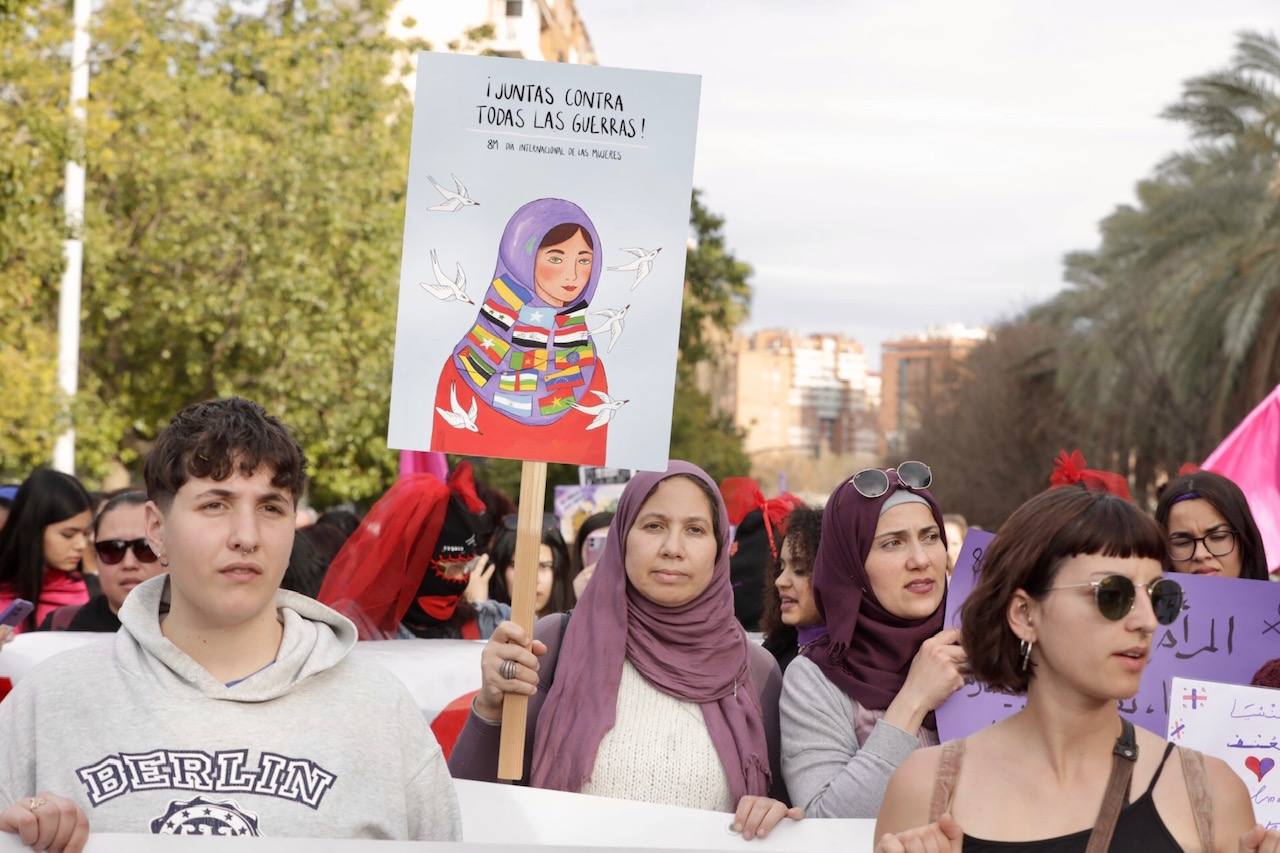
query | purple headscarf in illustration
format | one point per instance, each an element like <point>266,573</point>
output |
<point>526,358</point>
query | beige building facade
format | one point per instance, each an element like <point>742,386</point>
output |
<point>919,372</point>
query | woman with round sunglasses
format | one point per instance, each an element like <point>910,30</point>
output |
<point>1210,528</point>
<point>860,698</point>
<point>42,546</point>
<point>125,559</point>
<point>1069,597</point>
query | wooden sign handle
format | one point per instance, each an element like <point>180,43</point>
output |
<point>524,592</point>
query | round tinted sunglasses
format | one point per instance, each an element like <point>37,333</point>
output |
<point>874,482</point>
<point>1115,596</point>
<point>111,551</point>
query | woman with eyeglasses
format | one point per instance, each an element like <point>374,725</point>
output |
<point>1064,611</point>
<point>860,698</point>
<point>1210,528</point>
<point>125,559</point>
<point>651,691</point>
<point>43,544</point>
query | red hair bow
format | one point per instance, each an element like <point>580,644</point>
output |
<point>1069,469</point>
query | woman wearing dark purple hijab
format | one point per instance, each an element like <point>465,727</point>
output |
<point>651,691</point>
<point>860,699</point>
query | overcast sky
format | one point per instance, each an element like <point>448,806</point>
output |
<point>886,166</point>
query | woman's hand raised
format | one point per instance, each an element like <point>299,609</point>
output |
<point>934,675</point>
<point>477,590</point>
<point>508,664</point>
<point>756,816</point>
<point>945,836</point>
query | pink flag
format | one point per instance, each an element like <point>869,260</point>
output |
<point>424,462</point>
<point>1250,456</point>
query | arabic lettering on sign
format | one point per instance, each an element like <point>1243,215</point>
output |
<point>1227,630</point>
<point>1241,726</point>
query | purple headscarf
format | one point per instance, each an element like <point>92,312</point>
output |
<point>696,652</point>
<point>867,651</point>
<point>524,357</point>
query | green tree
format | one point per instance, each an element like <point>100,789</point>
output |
<point>243,222</point>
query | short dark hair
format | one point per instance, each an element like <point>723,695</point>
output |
<point>128,497</point>
<point>1028,550</point>
<point>214,438</point>
<point>1224,496</point>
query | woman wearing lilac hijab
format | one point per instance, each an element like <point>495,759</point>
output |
<point>860,699</point>
<point>651,691</point>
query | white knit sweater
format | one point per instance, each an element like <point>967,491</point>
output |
<point>658,751</point>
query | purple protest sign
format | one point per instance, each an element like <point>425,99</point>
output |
<point>1227,630</point>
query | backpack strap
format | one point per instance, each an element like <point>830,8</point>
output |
<point>1198,790</point>
<point>944,782</point>
<point>1123,757</point>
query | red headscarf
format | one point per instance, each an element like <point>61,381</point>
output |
<point>375,577</point>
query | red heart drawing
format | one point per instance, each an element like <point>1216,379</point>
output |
<point>1259,768</point>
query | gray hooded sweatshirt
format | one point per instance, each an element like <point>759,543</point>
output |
<point>145,740</point>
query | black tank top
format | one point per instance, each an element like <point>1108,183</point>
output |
<point>1138,828</point>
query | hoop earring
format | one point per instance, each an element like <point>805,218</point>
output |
<point>1025,647</point>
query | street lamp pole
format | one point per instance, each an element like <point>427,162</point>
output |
<point>64,451</point>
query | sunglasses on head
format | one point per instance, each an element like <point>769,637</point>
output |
<point>1116,595</point>
<point>874,482</point>
<point>111,551</point>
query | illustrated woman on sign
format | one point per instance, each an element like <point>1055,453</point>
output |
<point>525,381</point>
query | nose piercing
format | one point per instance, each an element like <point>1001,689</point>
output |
<point>244,550</point>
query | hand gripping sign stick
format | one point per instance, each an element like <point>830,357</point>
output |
<point>524,593</point>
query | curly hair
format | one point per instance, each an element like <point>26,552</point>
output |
<point>804,528</point>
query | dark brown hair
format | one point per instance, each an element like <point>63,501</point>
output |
<point>1226,497</point>
<point>1027,552</point>
<point>804,529</point>
<point>213,439</point>
<point>565,231</point>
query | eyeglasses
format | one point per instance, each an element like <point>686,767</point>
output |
<point>1115,596</point>
<point>874,482</point>
<point>111,551</point>
<point>1219,543</point>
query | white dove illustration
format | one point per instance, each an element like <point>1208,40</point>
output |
<point>612,323</point>
<point>444,288</point>
<point>458,419</point>
<point>453,201</point>
<point>604,412</point>
<point>643,264</point>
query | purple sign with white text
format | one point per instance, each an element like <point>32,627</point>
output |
<point>1227,630</point>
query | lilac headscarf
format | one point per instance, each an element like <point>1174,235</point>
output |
<point>522,354</point>
<point>867,651</point>
<point>696,652</point>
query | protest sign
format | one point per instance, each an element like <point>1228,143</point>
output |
<point>534,819</point>
<point>1240,725</point>
<point>546,222</point>
<point>1227,630</point>
<point>575,504</point>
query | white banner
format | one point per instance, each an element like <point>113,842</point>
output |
<point>435,671</point>
<point>506,817</point>
<point>1240,725</point>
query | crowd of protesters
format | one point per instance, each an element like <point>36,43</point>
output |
<point>233,623</point>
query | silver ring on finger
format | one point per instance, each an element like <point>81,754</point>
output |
<point>508,669</point>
